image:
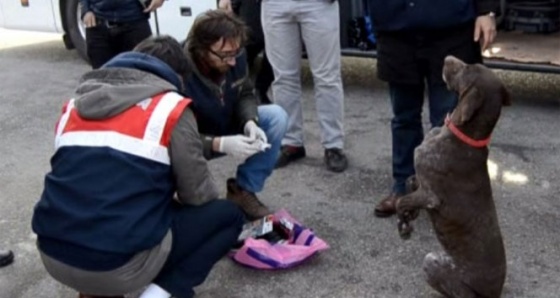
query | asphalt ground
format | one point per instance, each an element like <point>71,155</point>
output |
<point>367,258</point>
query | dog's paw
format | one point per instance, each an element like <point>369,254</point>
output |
<point>411,184</point>
<point>405,229</point>
<point>405,207</point>
<point>405,214</point>
<point>412,214</point>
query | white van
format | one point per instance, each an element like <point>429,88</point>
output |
<point>513,49</point>
<point>175,18</point>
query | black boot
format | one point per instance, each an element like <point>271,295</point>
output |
<point>6,257</point>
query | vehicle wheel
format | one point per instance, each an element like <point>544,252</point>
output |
<point>75,27</point>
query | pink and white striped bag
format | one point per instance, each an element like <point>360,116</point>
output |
<point>261,254</point>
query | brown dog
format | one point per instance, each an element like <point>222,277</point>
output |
<point>453,185</point>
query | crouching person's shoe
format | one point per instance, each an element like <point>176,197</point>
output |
<point>6,257</point>
<point>247,201</point>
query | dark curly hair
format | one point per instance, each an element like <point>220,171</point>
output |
<point>210,27</point>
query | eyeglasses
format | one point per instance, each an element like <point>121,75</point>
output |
<point>227,56</point>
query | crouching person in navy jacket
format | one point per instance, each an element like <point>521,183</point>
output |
<point>226,108</point>
<point>107,222</point>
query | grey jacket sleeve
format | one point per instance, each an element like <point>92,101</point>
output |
<point>195,184</point>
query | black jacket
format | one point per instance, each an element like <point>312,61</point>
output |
<point>115,10</point>
<point>397,15</point>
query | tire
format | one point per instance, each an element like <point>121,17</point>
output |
<point>75,28</point>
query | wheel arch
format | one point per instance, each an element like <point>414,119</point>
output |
<point>63,19</point>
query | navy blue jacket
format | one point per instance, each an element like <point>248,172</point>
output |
<point>86,220</point>
<point>396,15</point>
<point>115,10</point>
<point>221,109</point>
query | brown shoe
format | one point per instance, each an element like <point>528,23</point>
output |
<point>247,201</point>
<point>387,206</point>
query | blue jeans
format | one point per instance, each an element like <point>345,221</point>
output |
<point>252,174</point>
<point>406,125</point>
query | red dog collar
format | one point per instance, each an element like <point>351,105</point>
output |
<point>463,137</point>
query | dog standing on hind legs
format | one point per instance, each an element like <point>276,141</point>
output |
<point>452,183</point>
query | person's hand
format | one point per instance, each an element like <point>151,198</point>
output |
<point>226,5</point>
<point>254,132</point>
<point>154,4</point>
<point>485,28</point>
<point>89,19</point>
<point>238,146</point>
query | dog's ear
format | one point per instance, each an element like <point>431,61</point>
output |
<point>469,102</point>
<point>506,96</point>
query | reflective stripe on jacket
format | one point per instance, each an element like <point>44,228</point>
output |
<point>111,182</point>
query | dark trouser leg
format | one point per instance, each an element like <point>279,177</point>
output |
<point>99,46</point>
<point>129,35</point>
<point>458,43</point>
<point>202,235</point>
<point>407,131</point>
<point>442,101</point>
<point>264,76</point>
<point>253,51</point>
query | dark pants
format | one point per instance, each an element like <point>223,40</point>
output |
<point>250,12</point>
<point>105,41</point>
<point>202,235</point>
<point>409,61</point>
<point>265,76</point>
<point>406,125</point>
